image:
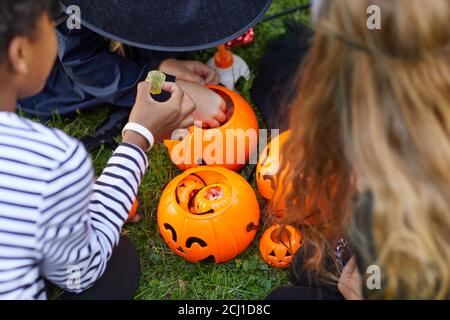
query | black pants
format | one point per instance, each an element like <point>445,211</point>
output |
<point>120,280</point>
<point>305,292</point>
<point>306,285</point>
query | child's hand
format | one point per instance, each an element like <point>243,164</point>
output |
<point>211,108</point>
<point>160,118</point>
<point>350,282</point>
<point>193,71</point>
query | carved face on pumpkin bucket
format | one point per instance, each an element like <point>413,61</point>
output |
<point>228,146</point>
<point>208,213</point>
<point>269,179</point>
<point>278,249</point>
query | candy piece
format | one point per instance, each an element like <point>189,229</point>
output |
<point>157,79</point>
<point>215,193</point>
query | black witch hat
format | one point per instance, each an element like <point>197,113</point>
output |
<point>170,25</point>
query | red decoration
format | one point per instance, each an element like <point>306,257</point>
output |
<point>243,40</point>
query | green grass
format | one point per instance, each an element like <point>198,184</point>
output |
<point>164,274</point>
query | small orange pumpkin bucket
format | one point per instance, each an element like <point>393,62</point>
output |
<point>279,252</point>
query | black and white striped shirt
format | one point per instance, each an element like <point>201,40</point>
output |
<point>55,222</point>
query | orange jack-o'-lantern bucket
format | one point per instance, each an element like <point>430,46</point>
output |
<point>278,249</point>
<point>269,179</point>
<point>229,146</point>
<point>208,213</point>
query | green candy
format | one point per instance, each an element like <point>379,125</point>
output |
<point>157,79</point>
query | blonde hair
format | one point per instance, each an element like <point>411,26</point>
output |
<point>375,104</point>
<point>117,47</point>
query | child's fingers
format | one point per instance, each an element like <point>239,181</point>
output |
<point>136,219</point>
<point>200,68</point>
<point>350,267</point>
<point>208,74</point>
<point>213,123</point>
<point>143,91</point>
<point>187,122</point>
<point>216,79</point>
<point>175,91</point>
<point>169,86</point>
<point>188,75</point>
<point>224,107</point>
<point>212,77</point>
<point>188,106</point>
<point>221,117</point>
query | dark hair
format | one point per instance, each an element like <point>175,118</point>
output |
<point>19,17</point>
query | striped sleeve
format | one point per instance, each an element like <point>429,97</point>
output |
<point>81,219</point>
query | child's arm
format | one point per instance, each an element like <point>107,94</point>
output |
<point>76,246</point>
<point>80,222</point>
